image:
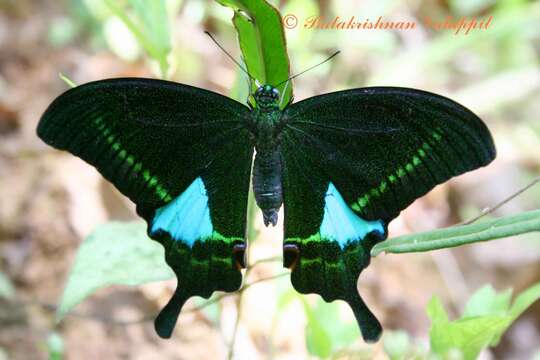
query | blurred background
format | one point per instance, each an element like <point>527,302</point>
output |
<point>50,201</point>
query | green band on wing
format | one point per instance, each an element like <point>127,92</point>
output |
<point>341,224</point>
<point>325,268</point>
<point>400,172</point>
<point>136,167</point>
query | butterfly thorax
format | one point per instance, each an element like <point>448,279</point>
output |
<point>267,171</point>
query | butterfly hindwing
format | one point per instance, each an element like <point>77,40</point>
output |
<point>326,245</point>
<point>352,161</point>
<point>183,155</point>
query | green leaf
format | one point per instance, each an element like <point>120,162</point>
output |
<point>327,332</point>
<point>397,344</point>
<point>318,340</point>
<point>286,298</point>
<point>462,235</point>
<point>62,31</point>
<point>436,311</point>
<point>209,307</point>
<point>469,7</point>
<point>121,40</point>
<point>155,22</point>
<point>114,254</point>
<point>509,21</point>
<point>150,26</point>
<point>486,301</point>
<point>469,335</point>
<point>341,331</point>
<point>486,317</point>
<point>262,41</point>
<point>521,303</point>
<point>6,288</point>
<point>524,300</point>
<point>55,344</point>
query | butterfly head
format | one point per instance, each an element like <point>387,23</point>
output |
<point>266,96</point>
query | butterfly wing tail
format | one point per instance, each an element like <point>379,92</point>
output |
<point>166,320</point>
<point>322,267</point>
<point>208,266</point>
<point>355,259</point>
<point>369,325</point>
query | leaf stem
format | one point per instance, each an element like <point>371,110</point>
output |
<point>462,234</point>
<point>489,210</point>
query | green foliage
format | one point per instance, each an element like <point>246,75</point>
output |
<point>486,317</point>
<point>327,332</point>
<point>396,344</point>
<point>150,26</point>
<point>209,307</point>
<point>318,340</point>
<point>505,39</point>
<point>114,254</point>
<point>122,254</point>
<point>469,7</point>
<point>7,290</point>
<point>399,345</point>
<point>55,344</point>
<point>486,301</point>
<point>462,235</point>
<point>468,335</point>
<point>62,32</point>
<point>524,300</point>
<point>262,41</point>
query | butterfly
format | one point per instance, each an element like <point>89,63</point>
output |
<point>343,165</point>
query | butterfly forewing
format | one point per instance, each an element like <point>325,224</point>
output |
<point>183,155</point>
<point>384,147</point>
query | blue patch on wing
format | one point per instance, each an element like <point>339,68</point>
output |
<point>341,224</point>
<point>186,218</point>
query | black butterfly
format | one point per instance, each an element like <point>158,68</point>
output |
<point>343,165</point>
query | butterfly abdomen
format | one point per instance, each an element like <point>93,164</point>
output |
<point>267,184</point>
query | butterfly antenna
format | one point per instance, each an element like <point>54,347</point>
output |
<point>311,68</point>
<point>230,56</point>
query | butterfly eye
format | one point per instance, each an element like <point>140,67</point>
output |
<point>275,93</point>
